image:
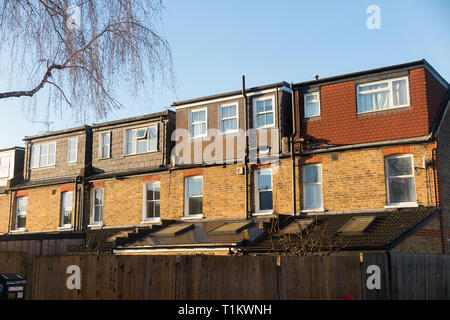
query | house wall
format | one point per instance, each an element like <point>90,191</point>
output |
<point>61,167</point>
<point>339,123</point>
<point>43,207</point>
<point>199,150</point>
<point>425,240</point>
<point>4,212</point>
<point>121,162</point>
<point>15,171</point>
<point>356,179</point>
<point>443,175</point>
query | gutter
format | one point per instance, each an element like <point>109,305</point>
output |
<point>426,138</point>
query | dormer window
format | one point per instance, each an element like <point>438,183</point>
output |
<point>43,155</point>
<point>264,112</point>
<point>383,95</point>
<point>312,104</point>
<point>228,118</point>
<point>141,140</point>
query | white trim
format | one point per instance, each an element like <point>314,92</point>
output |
<point>236,96</point>
<point>100,147</point>
<point>391,98</point>
<point>21,214</point>
<point>314,100</point>
<point>125,140</point>
<point>257,204</point>
<point>236,103</point>
<point>92,222</point>
<point>387,177</point>
<point>255,114</point>
<point>190,123</point>
<point>144,203</point>
<point>321,208</point>
<point>186,198</point>
<point>65,226</point>
<point>39,155</point>
<point>68,150</point>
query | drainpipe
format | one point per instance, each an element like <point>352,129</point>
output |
<point>246,146</point>
<point>76,205</point>
<point>163,147</point>
<point>294,133</point>
<point>10,209</point>
<point>81,209</point>
<point>441,222</point>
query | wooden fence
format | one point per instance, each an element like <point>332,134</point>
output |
<point>402,276</point>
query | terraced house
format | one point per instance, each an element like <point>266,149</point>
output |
<point>360,159</point>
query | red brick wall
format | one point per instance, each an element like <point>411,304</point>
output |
<point>339,124</point>
<point>435,93</point>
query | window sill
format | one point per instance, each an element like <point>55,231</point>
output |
<point>137,154</point>
<point>312,118</point>
<point>45,167</point>
<point>64,228</point>
<point>382,110</point>
<point>96,226</point>
<point>320,210</point>
<point>402,205</point>
<point>19,230</point>
<point>196,217</point>
<point>150,221</point>
<point>263,213</point>
<point>105,158</point>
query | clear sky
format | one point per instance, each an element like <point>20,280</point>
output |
<point>215,42</point>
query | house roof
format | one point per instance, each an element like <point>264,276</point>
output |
<point>84,128</point>
<point>381,230</point>
<point>211,234</point>
<point>156,115</point>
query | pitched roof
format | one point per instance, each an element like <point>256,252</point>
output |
<point>386,229</point>
<point>219,233</point>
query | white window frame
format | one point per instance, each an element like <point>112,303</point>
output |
<point>20,214</point>
<point>100,153</point>
<point>255,114</point>
<point>391,97</point>
<point>134,152</point>
<point>258,211</point>
<point>315,100</point>
<point>38,155</point>
<point>321,208</point>
<point>93,222</point>
<point>387,176</point>
<point>76,150</point>
<point>226,105</point>
<point>145,219</point>
<point>186,198</point>
<point>199,122</point>
<point>61,225</point>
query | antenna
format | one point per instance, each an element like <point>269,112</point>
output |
<point>47,123</point>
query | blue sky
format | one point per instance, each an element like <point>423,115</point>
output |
<point>215,42</point>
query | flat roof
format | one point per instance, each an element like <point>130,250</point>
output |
<point>55,133</point>
<point>134,119</point>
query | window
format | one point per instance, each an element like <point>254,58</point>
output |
<point>72,150</point>
<point>264,112</point>
<point>141,140</point>
<point>97,206</point>
<point>194,196</point>
<point>198,123</point>
<point>43,155</point>
<point>152,201</point>
<point>66,209</point>
<point>264,201</point>
<point>105,145</point>
<point>312,104</point>
<point>21,213</point>
<point>401,188</point>
<point>312,187</point>
<point>382,95</point>
<point>4,167</point>
<point>228,118</point>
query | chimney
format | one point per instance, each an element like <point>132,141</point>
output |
<point>316,77</point>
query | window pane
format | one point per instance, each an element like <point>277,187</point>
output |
<point>195,187</point>
<point>34,156</point>
<point>261,119</point>
<point>401,190</point>
<point>233,124</point>
<point>150,209</point>
<point>67,199</point>
<point>157,209</point>
<point>203,129</point>
<point>202,115</point>
<point>226,125</point>
<point>98,197</point>
<point>376,86</point>
<point>312,109</point>
<point>312,174</point>
<point>66,217</point>
<point>194,116</point>
<point>399,92</point>
<point>43,161</point>
<point>224,112</point>
<point>142,146</point>
<point>21,221</point>
<point>98,215</point>
<point>313,197</point>
<point>264,181</point>
<point>265,200</point>
<point>399,166</point>
<point>105,151</point>
<point>269,118</point>
<point>22,204</point>
<point>232,111</point>
<point>52,153</point>
<point>153,138</point>
<point>195,205</point>
<point>259,106</point>
<point>268,104</point>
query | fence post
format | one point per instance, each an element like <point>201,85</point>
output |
<point>177,275</point>
<point>279,278</point>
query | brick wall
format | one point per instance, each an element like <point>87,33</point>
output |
<point>424,240</point>
<point>435,93</point>
<point>339,124</point>
<point>356,180</point>
<point>443,168</point>
<point>4,212</point>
